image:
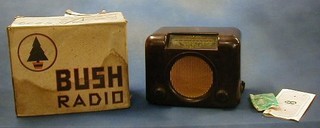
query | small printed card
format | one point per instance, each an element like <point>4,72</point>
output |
<point>292,104</point>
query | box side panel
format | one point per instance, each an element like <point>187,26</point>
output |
<point>84,68</point>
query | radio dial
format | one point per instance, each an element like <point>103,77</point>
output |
<point>160,93</point>
<point>222,96</point>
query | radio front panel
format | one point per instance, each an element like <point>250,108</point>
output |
<point>197,67</point>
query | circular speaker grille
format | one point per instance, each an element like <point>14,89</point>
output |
<point>191,76</point>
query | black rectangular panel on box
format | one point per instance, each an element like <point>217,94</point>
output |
<point>194,66</point>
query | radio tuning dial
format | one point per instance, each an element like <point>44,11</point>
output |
<point>222,96</point>
<point>160,93</point>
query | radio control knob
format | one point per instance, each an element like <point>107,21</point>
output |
<point>160,93</point>
<point>222,96</point>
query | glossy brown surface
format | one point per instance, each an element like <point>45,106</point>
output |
<point>194,76</point>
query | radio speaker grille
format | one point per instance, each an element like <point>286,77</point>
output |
<point>191,76</point>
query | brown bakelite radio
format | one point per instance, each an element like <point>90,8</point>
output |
<point>194,66</point>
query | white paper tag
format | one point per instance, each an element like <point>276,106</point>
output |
<point>292,104</point>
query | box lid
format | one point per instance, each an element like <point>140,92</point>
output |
<point>111,17</point>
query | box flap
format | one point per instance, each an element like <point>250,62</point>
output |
<point>111,17</point>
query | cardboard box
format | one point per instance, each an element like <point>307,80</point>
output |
<point>69,64</point>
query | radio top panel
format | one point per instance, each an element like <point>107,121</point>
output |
<point>192,41</point>
<point>222,31</point>
<point>196,38</point>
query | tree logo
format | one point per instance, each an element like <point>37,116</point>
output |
<point>37,52</point>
